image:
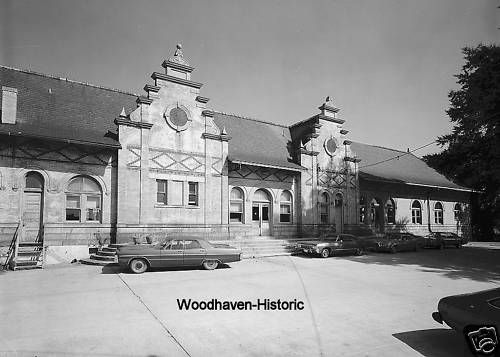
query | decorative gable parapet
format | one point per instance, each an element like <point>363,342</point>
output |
<point>159,77</point>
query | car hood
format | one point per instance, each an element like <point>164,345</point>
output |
<point>471,309</point>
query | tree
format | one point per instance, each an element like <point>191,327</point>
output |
<point>471,152</point>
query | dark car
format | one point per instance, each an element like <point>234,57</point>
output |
<point>475,314</point>
<point>398,242</point>
<point>176,253</point>
<point>329,245</point>
<point>444,239</point>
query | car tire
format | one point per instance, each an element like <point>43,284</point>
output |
<point>138,265</point>
<point>394,249</point>
<point>459,246</point>
<point>325,253</point>
<point>210,264</point>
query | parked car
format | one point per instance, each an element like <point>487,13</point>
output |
<point>174,252</point>
<point>326,246</point>
<point>398,242</point>
<point>476,315</point>
<point>444,239</point>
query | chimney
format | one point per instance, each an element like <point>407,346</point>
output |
<point>9,105</point>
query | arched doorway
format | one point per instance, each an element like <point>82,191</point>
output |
<point>377,215</point>
<point>339,213</point>
<point>32,207</point>
<point>261,213</point>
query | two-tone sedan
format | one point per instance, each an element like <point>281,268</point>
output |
<point>329,245</point>
<point>182,252</point>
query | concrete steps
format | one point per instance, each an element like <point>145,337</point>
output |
<point>104,256</point>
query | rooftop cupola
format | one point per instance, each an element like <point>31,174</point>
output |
<point>177,65</point>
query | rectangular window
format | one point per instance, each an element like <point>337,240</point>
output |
<point>416,216</point>
<point>161,192</point>
<point>285,213</point>
<point>193,194</point>
<point>73,212</point>
<point>175,193</point>
<point>236,211</point>
<point>438,217</point>
<point>323,215</point>
<point>93,208</point>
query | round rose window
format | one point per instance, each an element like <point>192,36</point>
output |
<point>330,146</point>
<point>178,117</point>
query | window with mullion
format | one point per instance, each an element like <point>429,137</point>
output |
<point>161,192</point>
<point>193,194</point>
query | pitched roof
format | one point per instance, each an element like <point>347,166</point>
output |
<point>380,163</point>
<point>257,142</point>
<point>61,109</point>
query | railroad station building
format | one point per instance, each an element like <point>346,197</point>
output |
<point>81,163</point>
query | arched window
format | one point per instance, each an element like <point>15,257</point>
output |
<point>374,211</point>
<point>83,200</point>
<point>338,200</point>
<point>416,212</point>
<point>391,211</point>
<point>362,209</point>
<point>286,207</point>
<point>438,213</point>
<point>236,205</point>
<point>324,209</point>
<point>457,211</point>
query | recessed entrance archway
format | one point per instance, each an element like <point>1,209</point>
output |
<point>32,207</point>
<point>262,213</point>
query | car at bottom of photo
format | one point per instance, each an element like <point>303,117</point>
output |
<point>399,242</point>
<point>176,252</point>
<point>444,239</point>
<point>476,315</point>
<point>326,246</point>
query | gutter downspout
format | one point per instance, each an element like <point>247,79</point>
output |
<point>429,212</point>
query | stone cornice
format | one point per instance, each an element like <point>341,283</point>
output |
<point>202,99</point>
<point>308,152</point>
<point>208,113</point>
<point>352,159</point>
<point>329,108</point>
<point>134,124</point>
<point>151,88</point>
<point>166,77</point>
<point>216,137</point>
<point>333,120</point>
<point>143,100</point>
<point>178,66</point>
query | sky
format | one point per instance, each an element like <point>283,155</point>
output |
<point>388,64</point>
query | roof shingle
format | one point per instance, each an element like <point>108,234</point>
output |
<point>60,109</point>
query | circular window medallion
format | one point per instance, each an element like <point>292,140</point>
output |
<point>330,146</point>
<point>177,118</point>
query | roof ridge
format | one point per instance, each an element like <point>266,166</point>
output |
<point>252,119</point>
<point>28,71</point>
<point>385,147</point>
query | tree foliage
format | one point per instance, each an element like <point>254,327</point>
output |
<point>471,152</point>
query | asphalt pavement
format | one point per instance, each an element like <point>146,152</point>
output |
<point>373,305</point>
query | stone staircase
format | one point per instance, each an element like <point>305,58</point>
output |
<point>104,255</point>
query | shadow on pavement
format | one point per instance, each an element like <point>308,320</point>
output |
<point>436,342</point>
<point>475,264</point>
<point>114,268</point>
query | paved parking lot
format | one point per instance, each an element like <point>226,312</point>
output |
<point>373,305</point>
